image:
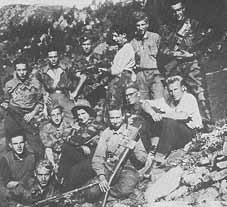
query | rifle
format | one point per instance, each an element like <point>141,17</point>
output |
<point>122,160</point>
<point>65,195</point>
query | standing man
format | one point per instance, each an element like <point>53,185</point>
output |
<point>90,77</point>
<point>146,46</point>
<point>183,44</point>
<point>112,143</point>
<point>58,80</point>
<point>123,64</point>
<point>23,101</point>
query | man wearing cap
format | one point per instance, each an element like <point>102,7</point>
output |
<point>54,133</point>
<point>86,65</point>
<point>16,167</point>
<point>23,101</point>
<point>58,79</point>
<point>183,44</point>
<point>146,46</point>
<point>74,164</point>
<point>178,116</point>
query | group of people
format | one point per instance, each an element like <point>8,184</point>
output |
<point>67,123</point>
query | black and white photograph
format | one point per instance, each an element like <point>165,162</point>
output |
<point>113,103</point>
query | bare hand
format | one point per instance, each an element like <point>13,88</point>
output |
<point>4,105</point>
<point>12,184</point>
<point>47,99</point>
<point>103,184</point>
<point>182,54</point>
<point>29,116</point>
<point>75,125</point>
<point>86,150</point>
<point>156,117</point>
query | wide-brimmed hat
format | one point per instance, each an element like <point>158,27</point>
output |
<point>83,104</point>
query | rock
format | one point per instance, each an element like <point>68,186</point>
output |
<point>209,194</point>
<point>177,193</point>
<point>164,185</point>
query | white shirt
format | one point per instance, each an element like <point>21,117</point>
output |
<point>187,104</point>
<point>123,60</point>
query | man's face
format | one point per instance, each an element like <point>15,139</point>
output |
<point>178,11</point>
<point>17,145</point>
<point>21,71</point>
<point>141,27</point>
<point>53,58</point>
<point>176,90</point>
<point>86,46</point>
<point>83,115</point>
<point>120,39</point>
<point>56,116</point>
<point>131,95</point>
<point>43,176</point>
<point>116,119</point>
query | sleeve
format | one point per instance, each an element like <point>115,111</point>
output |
<point>30,164</point>
<point>124,59</point>
<point>5,174</point>
<point>7,94</point>
<point>140,151</point>
<point>46,136</point>
<point>99,156</point>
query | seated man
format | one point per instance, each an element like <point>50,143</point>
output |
<point>179,116</point>
<point>77,152</point>
<point>113,141</point>
<point>23,95</point>
<point>16,166</point>
<point>43,185</point>
<point>54,134</point>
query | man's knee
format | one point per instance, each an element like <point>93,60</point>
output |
<point>126,184</point>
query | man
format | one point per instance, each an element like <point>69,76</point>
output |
<point>58,80</point>
<point>23,101</point>
<point>123,64</point>
<point>43,185</point>
<point>137,116</point>
<point>183,44</point>
<point>75,167</point>
<point>16,166</point>
<point>54,134</point>
<point>112,143</point>
<point>146,46</point>
<point>87,67</point>
<point>179,116</point>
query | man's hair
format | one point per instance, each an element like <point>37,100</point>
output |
<point>10,135</point>
<point>174,2</point>
<point>173,79</point>
<point>50,109</point>
<point>52,48</point>
<point>21,60</point>
<point>85,38</point>
<point>123,28</point>
<point>44,164</point>
<point>139,16</point>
